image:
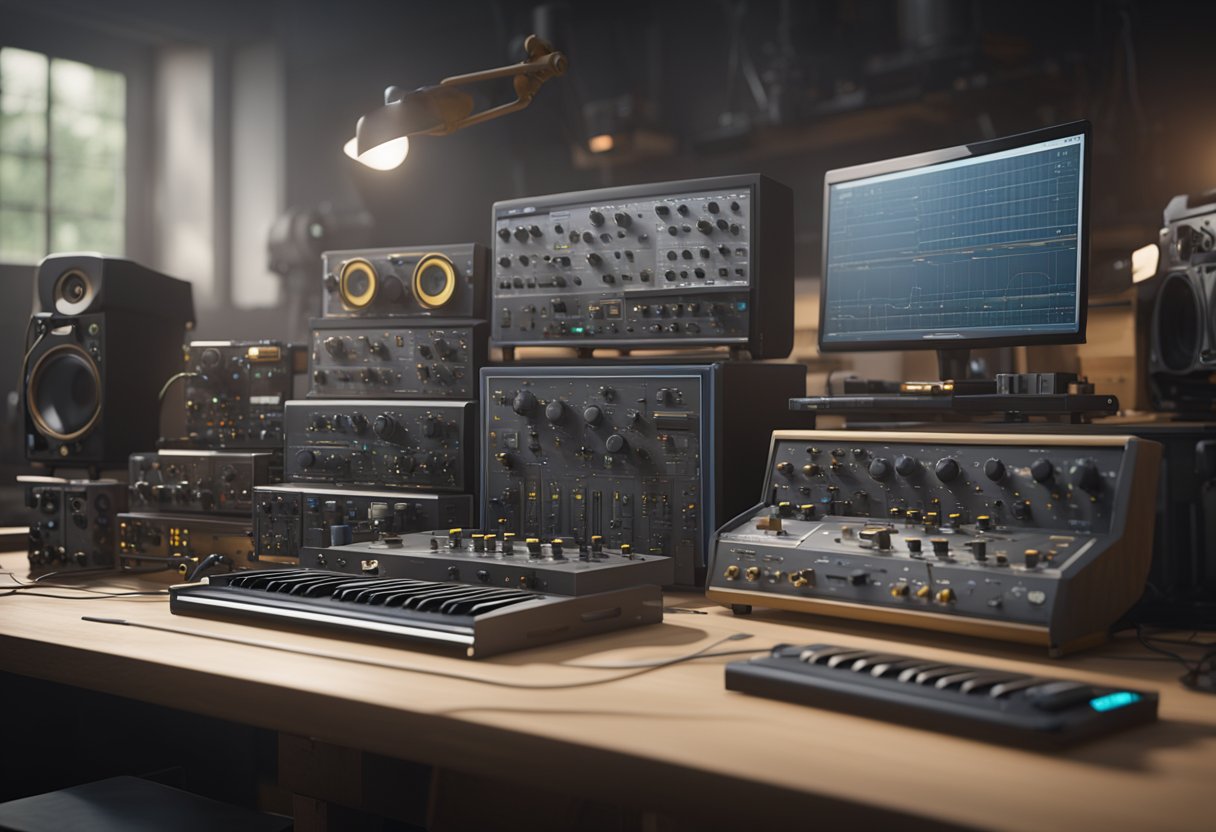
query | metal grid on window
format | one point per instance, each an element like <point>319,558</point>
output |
<point>62,157</point>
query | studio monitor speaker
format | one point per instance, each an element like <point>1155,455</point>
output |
<point>108,337</point>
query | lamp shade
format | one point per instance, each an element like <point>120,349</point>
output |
<point>434,110</point>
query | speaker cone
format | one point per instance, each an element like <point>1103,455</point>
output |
<point>357,283</point>
<point>64,396</point>
<point>73,292</point>
<point>1176,324</point>
<point>434,281</point>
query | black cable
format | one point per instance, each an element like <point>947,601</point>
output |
<point>96,596</point>
<point>445,674</point>
<point>205,564</point>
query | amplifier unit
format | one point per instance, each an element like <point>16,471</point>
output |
<point>637,455</point>
<point>234,393</point>
<point>1039,539</point>
<point>703,262</point>
<point>146,539</point>
<point>210,482</point>
<point>405,358</point>
<point>428,445</point>
<point>289,516</point>
<point>73,522</point>
<point>426,281</point>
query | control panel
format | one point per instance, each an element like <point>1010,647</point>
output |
<point>692,263</point>
<point>72,525</point>
<point>234,393</point>
<point>427,445</point>
<point>1034,538</point>
<point>210,482</point>
<point>290,516</point>
<point>408,358</point>
<point>634,455</point>
<point>554,565</point>
<point>147,540</point>
<point>412,281</point>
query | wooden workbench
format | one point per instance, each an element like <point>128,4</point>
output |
<point>672,741</point>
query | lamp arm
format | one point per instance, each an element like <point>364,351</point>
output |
<point>543,63</point>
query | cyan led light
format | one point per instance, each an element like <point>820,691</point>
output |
<point>1111,701</point>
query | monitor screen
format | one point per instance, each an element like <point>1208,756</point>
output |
<point>980,245</point>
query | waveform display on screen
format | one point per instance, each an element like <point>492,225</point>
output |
<point>973,248</point>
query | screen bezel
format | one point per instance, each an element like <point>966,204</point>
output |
<point>932,157</point>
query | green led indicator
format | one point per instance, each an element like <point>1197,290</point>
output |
<point>577,330</point>
<point>1111,701</point>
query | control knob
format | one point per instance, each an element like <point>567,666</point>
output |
<point>614,444</point>
<point>597,219</point>
<point>1087,477</point>
<point>385,427</point>
<point>994,469</point>
<point>306,458</point>
<point>1042,470</point>
<point>334,346</point>
<point>593,415</point>
<point>785,468</point>
<point>594,259</point>
<point>947,469</point>
<point>880,469</point>
<point>524,402</point>
<point>906,465</point>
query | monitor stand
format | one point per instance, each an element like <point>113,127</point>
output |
<point>954,365</point>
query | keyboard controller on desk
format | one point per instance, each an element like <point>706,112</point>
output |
<point>1034,539</point>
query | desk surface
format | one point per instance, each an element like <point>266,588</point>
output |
<point>673,740</point>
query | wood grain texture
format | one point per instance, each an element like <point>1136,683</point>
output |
<point>673,740</point>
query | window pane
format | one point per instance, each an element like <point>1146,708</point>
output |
<point>69,233</point>
<point>22,182</point>
<point>97,192</point>
<point>22,74</point>
<point>24,133</point>
<point>81,88</point>
<point>22,236</point>
<point>83,139</point>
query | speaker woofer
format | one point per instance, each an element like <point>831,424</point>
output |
<point>64,393</point>
<point>434,281</point>
<point>73,292</point>
<point>1176,324</point>
<point>357,283</point>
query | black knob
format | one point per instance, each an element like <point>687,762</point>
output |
<point>534,230</point>
<point>358,422</point>
<point>593,415</point>
<point>947,469</point>
<point>594,259</point>
<point>705,226</point>
<point>914,545</point>
<point>994,469</point>
<point>555,411</point>
<point>906,465</point>
<point>1042,470</point>
<point>385,427</point>
<point>615,444</point>
<point>504,234</point>
<point>979,548</point>
<point>504,261</point>
<point>662,210</point>
<point>880,469</point>
<point>941,547</point>
<point>596,218</point>
<point>1086,476</point>
<point>786,468</point>
<point>335,347</point>
<point>524,403</point>
<point>443,348</point>
<point>306,459</point>
<point>622,219</point>
<point>521,233</point>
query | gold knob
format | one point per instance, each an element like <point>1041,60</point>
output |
<point>923,592</point>
<point>899,591</point>
<point>731,572</point>
<point>752,573</point>
<point>945,596</point>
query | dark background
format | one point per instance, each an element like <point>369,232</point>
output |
<point>788,89</point>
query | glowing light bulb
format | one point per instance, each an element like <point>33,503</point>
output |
<point>384,156</point>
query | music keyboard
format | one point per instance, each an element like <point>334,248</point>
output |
<point>481,620</point>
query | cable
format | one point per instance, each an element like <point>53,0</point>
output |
<point>91,597</point>
<point>696,654</point>
<point>206,563</point>
<point>425,671</point>
<point>173,379</point>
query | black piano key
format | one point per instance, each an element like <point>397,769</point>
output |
<point>482,607</point>
<point>449,606</point>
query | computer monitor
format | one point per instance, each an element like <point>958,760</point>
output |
<point>982,245</point>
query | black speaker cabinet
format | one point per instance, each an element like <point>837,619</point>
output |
<point>96,360</point>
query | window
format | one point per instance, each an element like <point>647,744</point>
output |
<point>62,157</point>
